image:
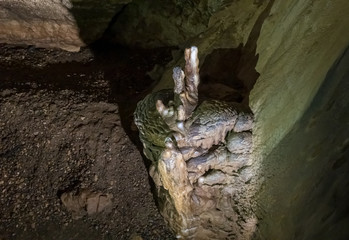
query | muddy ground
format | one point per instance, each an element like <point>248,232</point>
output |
<point>66,127</point>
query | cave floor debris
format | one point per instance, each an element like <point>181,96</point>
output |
<point>63,118</point>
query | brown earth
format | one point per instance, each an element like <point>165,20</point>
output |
<point>63,124</point>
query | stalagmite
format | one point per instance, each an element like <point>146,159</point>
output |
<point>200,157</point>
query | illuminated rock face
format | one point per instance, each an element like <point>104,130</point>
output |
<point>297,42</point>
<point>200,157</point>
<point>65,24</point>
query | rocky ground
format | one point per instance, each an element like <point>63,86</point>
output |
<point>66,130</point>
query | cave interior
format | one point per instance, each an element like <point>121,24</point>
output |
<point>72,73</point>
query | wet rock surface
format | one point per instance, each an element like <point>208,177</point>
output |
<point>200,155</point>
<point>68,170</point>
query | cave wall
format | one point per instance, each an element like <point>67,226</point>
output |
<point>65,24</point>
<point>233,24</point>
<point>305,192</point>
<point>298,104</point>
<point>299,148</point>
<point>295,44</point>
<point>298,43</point>
<point>156,23</point>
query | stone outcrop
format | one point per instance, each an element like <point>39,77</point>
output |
<point>286,36</point>
<point>65,24</point>
<point>200,157</point>
<point>296,43</point>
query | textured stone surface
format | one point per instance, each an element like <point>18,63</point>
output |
<point>158,23</point>
<point>298,43</point>
<point>200,173</point>
<point>66,24</point>
<point>229,28</point>
<point>209,25</point>
<point>309,199</point>
<point>230,25</point>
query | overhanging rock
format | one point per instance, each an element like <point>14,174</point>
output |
<point>65,24</point>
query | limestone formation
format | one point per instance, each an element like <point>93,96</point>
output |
<point>200,155</point>
<point>65,24</point>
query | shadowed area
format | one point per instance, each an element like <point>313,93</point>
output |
<point>68,141</point>
<point>306,189</point>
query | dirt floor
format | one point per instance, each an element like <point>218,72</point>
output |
<point>66,134</point>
